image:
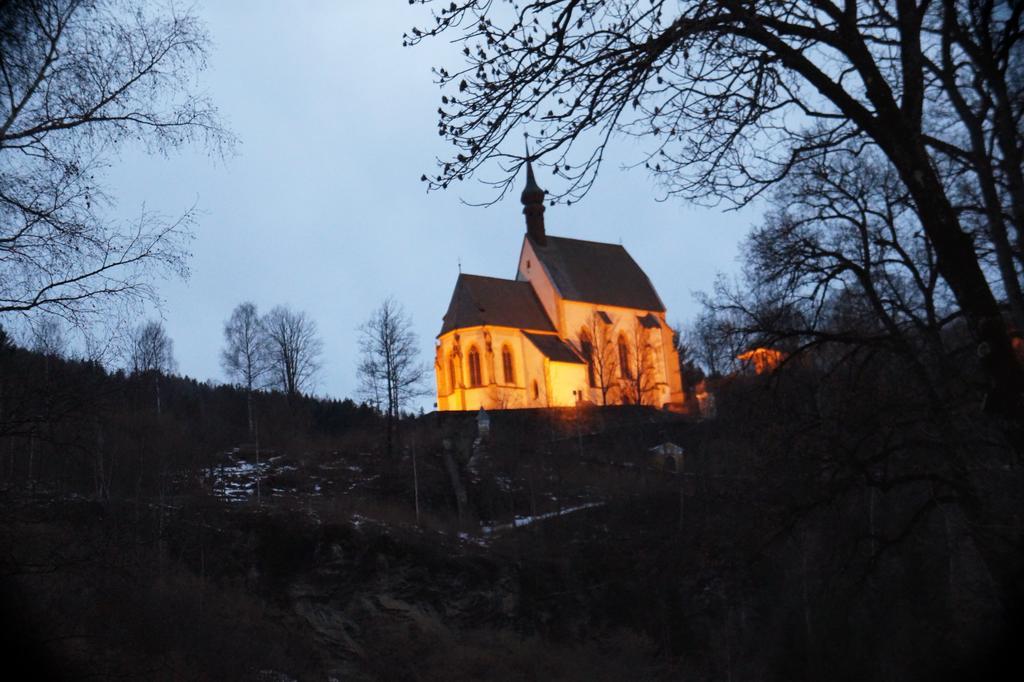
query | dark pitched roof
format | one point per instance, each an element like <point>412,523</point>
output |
<point>554,348</point>
<point>596,273</point>
<point>500,302</point>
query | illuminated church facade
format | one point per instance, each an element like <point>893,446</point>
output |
<point>580,323</point>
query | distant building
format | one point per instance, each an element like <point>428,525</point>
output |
<point>580,323</point>
<point>705,401</point>
<point>761,360</point>
<point>667,456</point>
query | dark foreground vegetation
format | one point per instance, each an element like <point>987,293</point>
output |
<point>855,514</point>
<point>813,533</point>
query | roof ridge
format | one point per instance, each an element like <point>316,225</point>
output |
<point>585,241</point>
<point>500,279</point>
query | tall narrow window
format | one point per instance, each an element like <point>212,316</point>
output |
<point>474,367</point>
<point>451,372</point>
<point>624,358</point>
<point>588,354</point>
<point>506,364</point>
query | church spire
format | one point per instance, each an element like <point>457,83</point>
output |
<point>533,204</point>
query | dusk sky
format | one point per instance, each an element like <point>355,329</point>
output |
<point>322,208</point>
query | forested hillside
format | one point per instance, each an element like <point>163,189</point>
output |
<point>811,532</point>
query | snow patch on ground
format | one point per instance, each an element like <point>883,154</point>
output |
<point>521,521</point>
<point>236,482</point>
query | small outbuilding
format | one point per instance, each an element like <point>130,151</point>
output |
<point>667,456</point>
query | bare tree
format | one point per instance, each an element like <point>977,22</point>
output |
<point>599,350</point>
<point>843,234</point>
<point>371,385</point>
<point>731,96</point>
<point>152,353</point>
<point>503,398</point>
<point>47,337</point>
<point>294,350</point>
<point>391,361</point>
<point>712,340</point>
<point>637,380</point>
<point>841,276</point>
<point>152,349</point>
<point>77,79</point>
<point>840,262</point>
<point>245,357</point>
<point>689,370</point>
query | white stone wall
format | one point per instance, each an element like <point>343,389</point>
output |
<point>530,270</point>
<point>493,393</point>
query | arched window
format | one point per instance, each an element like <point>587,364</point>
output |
<point>536,390</point>
<point>506,365</point>
<point>624,358</point>
<point>588,354</point>
<point>451,372</point>
<point>474,367</point>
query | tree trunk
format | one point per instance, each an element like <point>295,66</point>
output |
<point>999,546</point>
<point>388,426</point>
<point>415,483</point>
<point>461,499</point>
<point>248,407</point>
<point>806,609</point>
<point>959,266</point>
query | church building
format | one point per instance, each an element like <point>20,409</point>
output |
<point>581,322</point>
